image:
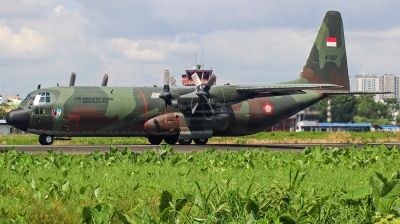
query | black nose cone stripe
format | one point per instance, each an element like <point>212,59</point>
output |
<point>19,118</point>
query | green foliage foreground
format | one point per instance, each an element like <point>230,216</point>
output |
<point>318,185</point>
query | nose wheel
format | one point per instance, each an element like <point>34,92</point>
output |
<point>46,139</point>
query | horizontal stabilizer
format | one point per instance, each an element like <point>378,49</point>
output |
<point>341,93</point>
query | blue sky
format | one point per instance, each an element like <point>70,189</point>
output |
<point>245,42</point>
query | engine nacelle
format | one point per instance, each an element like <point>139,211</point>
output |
<point>170,122</point>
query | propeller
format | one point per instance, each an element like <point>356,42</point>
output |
<point>166,94</point>
<point>203,92</point>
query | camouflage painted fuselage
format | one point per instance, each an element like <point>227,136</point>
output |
<point>126,111</point>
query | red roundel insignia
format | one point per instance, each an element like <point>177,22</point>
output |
<point>268,109</point>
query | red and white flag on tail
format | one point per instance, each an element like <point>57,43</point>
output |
<point>331,41</point>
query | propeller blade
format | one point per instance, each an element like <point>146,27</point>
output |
<point>166,94</point>
<point>166,81</point>
<point>155,95</point>
<point>202,91</point>
<point>195,106</point>
<point>208,102</point>
<point>196,79</point>
<point>210,82</point>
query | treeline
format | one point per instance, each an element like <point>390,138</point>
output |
<point>358,109</point>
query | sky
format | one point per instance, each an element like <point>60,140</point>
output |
<point>244,42</point>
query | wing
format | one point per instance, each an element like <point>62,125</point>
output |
<point>283,88</point>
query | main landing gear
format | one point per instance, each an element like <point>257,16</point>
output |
<point>46,139</point>
<point>173,139</point>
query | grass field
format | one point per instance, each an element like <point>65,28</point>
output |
<point>260,138</point>
<point>317,185</point>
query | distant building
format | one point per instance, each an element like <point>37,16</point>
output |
<point>12,100</point>
<point>302,121</point>
<point>390,83</point>
<point>348,127</point>
<point>4,127</point>
<point>373,83</point>
<point>368,83</point>
<point>388,128</point>
<point>307,120</point>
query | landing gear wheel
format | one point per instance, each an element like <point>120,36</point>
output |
<point>185,141</point>
<point>155,140</point>
<point>171,139</point>
<point>46,139</point>
<point>201,141</point>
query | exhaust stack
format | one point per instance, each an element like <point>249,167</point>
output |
<point>105,80</point>
<point>72,79</point>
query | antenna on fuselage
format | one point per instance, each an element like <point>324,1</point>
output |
<point>72,79</point>
<point>38,86</point>
<point>105,80</point>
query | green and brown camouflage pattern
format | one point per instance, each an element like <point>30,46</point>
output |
<point>238,110</point>
<point>327,64</point>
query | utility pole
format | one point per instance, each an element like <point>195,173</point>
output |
<point>328,111</point>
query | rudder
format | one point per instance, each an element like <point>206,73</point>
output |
<point>327,61</point>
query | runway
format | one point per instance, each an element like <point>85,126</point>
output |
<point>86,149</point>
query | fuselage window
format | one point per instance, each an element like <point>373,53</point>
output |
<point>40,110</point>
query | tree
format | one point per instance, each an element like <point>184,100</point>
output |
<point>344,108</point>
<point>363,108</point>
<point>4,109</point>
<point>321,106</point>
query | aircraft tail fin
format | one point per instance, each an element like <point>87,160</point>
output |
<point>327,61</point>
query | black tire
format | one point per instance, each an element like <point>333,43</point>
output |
<point>185,141</point>
<point>46,139</point>
<point>155,140</point>
<point>201,141</point>
<point>171,139</point>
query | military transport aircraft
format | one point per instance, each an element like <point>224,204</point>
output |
<point>185,114</point>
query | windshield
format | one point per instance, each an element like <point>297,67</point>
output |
<point>37,98</point>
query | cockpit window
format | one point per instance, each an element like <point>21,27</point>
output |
<point>42,98</point>
<point>27,97</point>
<point>38,99</point>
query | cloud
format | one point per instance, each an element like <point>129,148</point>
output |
<point>138,50</point>
<point>27,43</point>
<point>135,41</point>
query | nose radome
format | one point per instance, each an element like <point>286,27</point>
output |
<point>19,118</point>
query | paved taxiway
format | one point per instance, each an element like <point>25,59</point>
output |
<point>86,149</point>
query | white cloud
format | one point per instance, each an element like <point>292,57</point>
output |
<point>59,8</point>
<point>27,43</point>
<point>139,50</point>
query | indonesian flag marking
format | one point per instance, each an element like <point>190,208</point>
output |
<point>331,41</point>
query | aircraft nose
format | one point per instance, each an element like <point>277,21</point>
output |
<point>19,118</point>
